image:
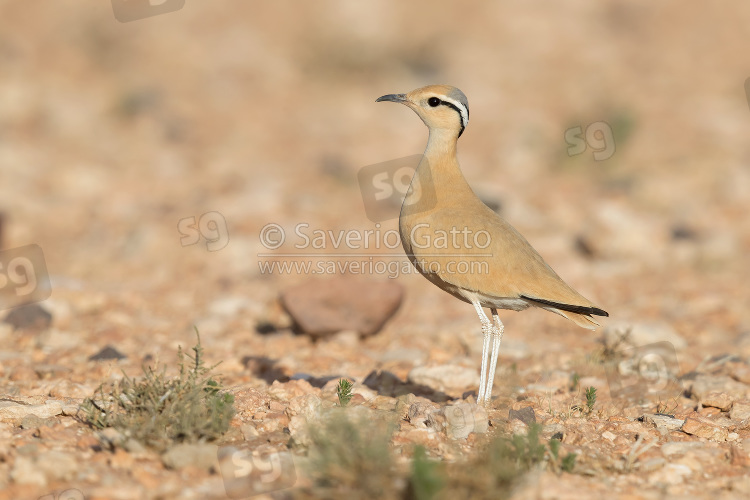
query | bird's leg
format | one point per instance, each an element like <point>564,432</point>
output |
<point>497,337</point>
<point>486,332</point>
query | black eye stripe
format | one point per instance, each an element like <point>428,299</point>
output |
<point>460,116</point>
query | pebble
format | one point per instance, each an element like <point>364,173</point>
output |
<point>323,307</point>
<point>445,378</point>
<point>663,422</point>
<point>419,413</point>
<point>740,410</point>
<point>525,415</point>
<point>720,400</point>
<point>10,410</point>
<point>31,422</point>
<point>703,385</point>
<point>700,426</point>
<point>459,420</point>
<point>107,353</point>
<point>32,316</point>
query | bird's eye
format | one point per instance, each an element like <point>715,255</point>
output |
<point>433,101</point>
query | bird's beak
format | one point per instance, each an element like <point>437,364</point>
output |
<point>400,98</point>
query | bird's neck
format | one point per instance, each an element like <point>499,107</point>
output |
<point>438,176</point>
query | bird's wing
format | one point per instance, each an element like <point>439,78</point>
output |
<point>493,258</point>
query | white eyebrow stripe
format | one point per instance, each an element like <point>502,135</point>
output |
<point>462,109</point>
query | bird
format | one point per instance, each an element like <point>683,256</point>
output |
<point>465,248</point>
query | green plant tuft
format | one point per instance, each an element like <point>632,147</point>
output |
<point>590,398</point>
<point>158,411</point>
<point>344,392</point>
<point>426,478</point>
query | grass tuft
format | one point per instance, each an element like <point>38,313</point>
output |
<point>344,392</point>
<point>158,411</point>
<point>590,398</point>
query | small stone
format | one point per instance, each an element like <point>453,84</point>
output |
<point>299,430</point>
<point>663,422</point>
<point>249,432</point>
<point>517,427</point>
<point>10,410</point>
<point>445,378</point>
<point>609,436</point>
<point>107,353</point>
<point>201,455</point>
<point>460,420</point>
<point>740,410</point>
<point>323,307</point>
<point>419,413</point>
<point>700,426</point>
<point>32,316</point>
<point>703,385</point>
<point>307,405</point>
<point>652,464</point>
<point>720,400</point>
<point>525,415</point>
<point>31,422</point>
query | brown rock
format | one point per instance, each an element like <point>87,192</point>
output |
<point>720,400</point>
<point>700,426</point>
<point>740,410</point>
<point>32,316</point>
<point>703,385</point>
<point>323,307</point>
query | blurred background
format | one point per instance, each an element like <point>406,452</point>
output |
<point>112,133</point>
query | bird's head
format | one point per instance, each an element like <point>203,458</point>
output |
<point>439,106</point>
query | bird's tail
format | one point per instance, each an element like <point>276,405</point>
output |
<point>582,320</point>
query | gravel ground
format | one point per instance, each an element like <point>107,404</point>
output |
<point>156,163</point>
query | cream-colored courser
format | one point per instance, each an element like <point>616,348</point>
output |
<point>465,248</point>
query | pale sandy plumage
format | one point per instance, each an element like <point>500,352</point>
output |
<point>508,273</point>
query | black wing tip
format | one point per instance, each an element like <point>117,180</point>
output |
<point>569,307</point>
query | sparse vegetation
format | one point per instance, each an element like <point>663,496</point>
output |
<point>158,411</point>
<point>590,398</point>
<point>350,457</point>
<point>344,392</point>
